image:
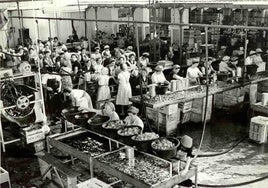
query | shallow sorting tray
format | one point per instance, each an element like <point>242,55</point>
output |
<point>80,144</point>
<point>147,171</point>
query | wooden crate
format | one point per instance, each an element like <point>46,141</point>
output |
<point>185,117</point>
<point>93,183</point>
<point>169,109</point>
<point>198,105</point>
<point>33,134</point>
<point>258,129</point>
<point>186,106</point>
<point>166,123</point>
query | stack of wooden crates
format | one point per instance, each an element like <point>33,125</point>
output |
<point>198,109</point>
<point>165,119</point>
<point>229,98</point>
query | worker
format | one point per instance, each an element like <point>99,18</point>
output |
<point>221,52</point>
<point>185,153</point>
<point>98,66</point>
<point>106,52</point>
<point>79,97</point>
<point>158,76</point>
<point>104,92</point>
<point>97,53</point>
<point>109,110</point>
<point>223,66</point>
<point>210,68</point>
<point>133,119</point>
<point>258,60</point>
<point>175,73</point>
<point>250,59</point>
<point>124,89</point>
<point>144,60</point>
<point>193,72</point>
<point>129,51</point>
<point>48,64</point>
<point>132,64</point>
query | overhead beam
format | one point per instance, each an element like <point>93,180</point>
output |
<point>144,22</point>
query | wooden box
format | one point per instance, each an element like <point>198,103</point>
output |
<point>93,183</point>
<point>33,134</point>
<point>258,129</point>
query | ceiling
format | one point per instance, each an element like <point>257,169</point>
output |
<point>72,5</point>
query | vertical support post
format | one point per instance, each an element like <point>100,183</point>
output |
<point>159,44</point>
<point>85,23</point>
<point>206,40</point>
<point>154,34</point>
<point>181,38</point>
<point>57,24</point>
<point>245,49</point>
<point>20,22</point>
<point>137,40</point>
<point>13,35</point>
<point>38,31</point>
<point>96,17</point>
<point>49,27</point>
<point>202,15</point>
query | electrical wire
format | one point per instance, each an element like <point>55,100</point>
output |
<point>206,102</point>
<point>226,151</point>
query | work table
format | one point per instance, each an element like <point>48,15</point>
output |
<point>196,92</point>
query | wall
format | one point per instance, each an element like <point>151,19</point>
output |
<point>175,18</point>
<point>60,28</point>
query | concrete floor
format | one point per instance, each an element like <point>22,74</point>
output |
<point>245,162</point>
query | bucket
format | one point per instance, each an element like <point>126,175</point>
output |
<point>152,92</point>
<point>161,89</point>
<point>167,153</point>
<point>173,85</point>
<point>252,69</point>
<point>222,76</point>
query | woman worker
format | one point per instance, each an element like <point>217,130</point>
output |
<point>193,73</point>
<point>124,88</point>
<point>158,76</point>
<point>133,119</point>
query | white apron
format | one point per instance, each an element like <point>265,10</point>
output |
<point>124,89</point>
<point>103,90</point>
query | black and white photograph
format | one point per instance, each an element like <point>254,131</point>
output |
<point>134,94</point>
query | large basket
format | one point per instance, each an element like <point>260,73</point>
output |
<point>82,118</point>
<point>69,113</point>
<point>169,153</point>
<point>142,145</point>
<point>98,120</point>
<point>127,138</point>
<point>112,131</point>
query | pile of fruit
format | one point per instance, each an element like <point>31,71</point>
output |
<point>87,145</point>
<point>163,144</point>
<point>118,124</point>
<point>129,131</point>
<point>146,136</point>
<point>146,169</point>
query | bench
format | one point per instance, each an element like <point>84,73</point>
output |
<point>49,162</point>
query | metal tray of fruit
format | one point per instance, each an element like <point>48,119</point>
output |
<point>80,144</point>
<point>148,170</point>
